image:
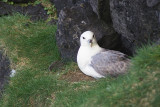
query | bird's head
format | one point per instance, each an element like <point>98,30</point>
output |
<point>88,39</point>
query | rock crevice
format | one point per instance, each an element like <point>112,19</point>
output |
<point>72,22</point>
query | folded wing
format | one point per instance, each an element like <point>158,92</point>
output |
<point>110,63</point>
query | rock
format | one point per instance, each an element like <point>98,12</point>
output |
<point>158,42</point>
<point>60,4</point>
<point>21,1</point>
<point>138,21</point>
<point>5,9</point>
<point>151,3</point>
<point>4,71</point>
<point>102,9</point>
<point>36,12</point>
<point>74,21</point>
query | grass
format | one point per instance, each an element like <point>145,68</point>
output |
<point>31,48</point>
<point>140,87</point>
<point>32,42</point>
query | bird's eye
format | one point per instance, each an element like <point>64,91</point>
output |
<point>83,37</point>
<point>93,36</point>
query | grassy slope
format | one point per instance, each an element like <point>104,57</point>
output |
<point>140,87</point>
<point>31,48</point>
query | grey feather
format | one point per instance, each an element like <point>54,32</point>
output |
<point>110,63</point>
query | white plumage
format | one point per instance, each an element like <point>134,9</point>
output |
<point>13,72</point>
<point>97,62</point>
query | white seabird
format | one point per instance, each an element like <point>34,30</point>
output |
<point>98,62</point>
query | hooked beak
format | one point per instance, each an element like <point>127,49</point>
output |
<point>90,42</point>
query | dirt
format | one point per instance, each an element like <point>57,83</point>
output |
<point>76,76</point>
<point>73,74</point>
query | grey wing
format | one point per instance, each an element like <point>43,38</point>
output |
<point>110,63</point>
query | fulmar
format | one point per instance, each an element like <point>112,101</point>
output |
<point>98,62</point>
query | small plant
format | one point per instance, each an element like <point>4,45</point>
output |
<point>8,2</point>
<point>37,2</point>
<point>51,11</point>
<point>49,7</point>
<point>5,0</point>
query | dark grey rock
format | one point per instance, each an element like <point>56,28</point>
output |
<point>158,42</point>
<point>5,9</point>
<point>136,22</point>
<point>60,4</point>
<point>102,9</point>
<point>74,21</point>
<point>4,71</point>
<point>36,12</point>
<point>21,1</point>
<point>151,3</point>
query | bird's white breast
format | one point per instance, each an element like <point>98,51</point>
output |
<point>84,59</point>
<point>85,54</point>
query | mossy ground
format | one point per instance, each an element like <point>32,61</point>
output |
<point>31,47</point>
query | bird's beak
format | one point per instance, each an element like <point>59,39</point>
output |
<point>90,42</point>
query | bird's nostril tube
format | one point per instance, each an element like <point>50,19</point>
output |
<point>90,41</point>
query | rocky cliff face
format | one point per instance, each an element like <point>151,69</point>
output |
<point>21,1</point>
<point>102,9</point>
<point>74,21</point>
<point>4,71</point>
<point>60,4</point>
<point>36,12</point>
<point>138,21</point>
<point>132,23</point>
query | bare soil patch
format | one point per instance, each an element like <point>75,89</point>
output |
<point>76,76</point>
